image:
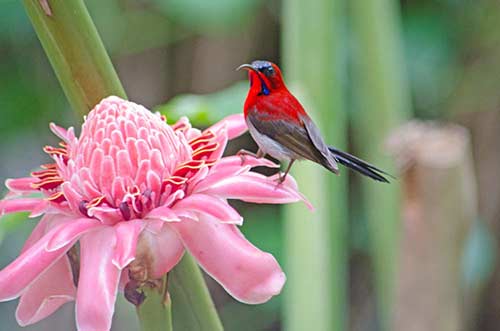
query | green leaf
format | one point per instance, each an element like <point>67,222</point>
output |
<point>206,109</point>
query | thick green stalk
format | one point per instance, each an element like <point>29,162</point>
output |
<point>384,102</point>
<point>86,74</point>
<point>188,289</point>
<point>75,51</point>
<point>316,242</point>
<point>155,312</point>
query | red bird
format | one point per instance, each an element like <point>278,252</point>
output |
<point>281,128</point>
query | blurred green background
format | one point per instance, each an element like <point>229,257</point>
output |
<point>426,59</point>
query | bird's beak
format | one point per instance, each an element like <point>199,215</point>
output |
<point>246,67</point>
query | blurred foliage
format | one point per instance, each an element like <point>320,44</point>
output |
<point>10,223</point>
<point>480,255</point>
<point>118,23</point>
<point>210,16</point>
<point>206,109</point>
<point>431,58</point>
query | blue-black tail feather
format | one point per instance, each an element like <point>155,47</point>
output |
<point>359,165</point>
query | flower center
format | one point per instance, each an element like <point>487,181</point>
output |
<point>126,162</point>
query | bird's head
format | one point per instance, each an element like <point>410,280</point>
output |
<point>264,76</point>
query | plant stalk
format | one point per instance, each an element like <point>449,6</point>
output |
<point>316,243</point>
<point>76,52</point>
<point>382,90</point>
<point>187,288</point>
<point>155,312</point>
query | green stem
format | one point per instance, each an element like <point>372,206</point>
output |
<point>317,245</point>
<point>188,289</point>
<point>75,51</point>
<point>155,312</point>
<point>86,74</point>
<point>384,103</point>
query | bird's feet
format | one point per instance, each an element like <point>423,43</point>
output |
<point>281,178</point>
<point>243,153</point>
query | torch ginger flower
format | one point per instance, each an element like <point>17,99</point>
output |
<point>136,192</point>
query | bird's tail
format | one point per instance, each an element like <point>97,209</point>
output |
<point>359,165</point>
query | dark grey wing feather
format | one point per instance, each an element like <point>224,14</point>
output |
<point>290,136</point>
<point>293,137</point>
<point>316,138</point>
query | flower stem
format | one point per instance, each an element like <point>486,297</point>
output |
<point>155,312</point>
<point>75,51</point>
<point>188,289</point>
<point>86,74</point>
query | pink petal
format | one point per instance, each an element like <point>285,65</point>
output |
<point>66,135</point>
<point>254,187</point>
<point>21,185</point>
<point>235,125</point>
<point>248,274</point>
<point>246,160</point>
<point>71,231</point>
<point>98,282</point>
<point>29,265</point>
<point>17,205</point>
<point>43,226</point>
<point>53,289</point>
<point>163,213</point>
<point>72,196</point>
<point>107,215</point>
<point>221,138</point>
<point>208,205</point>
<point>229,167</point>
<point>41,208</point>
<point>126,242</point>
<point>164,248</point>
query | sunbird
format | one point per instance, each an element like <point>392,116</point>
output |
<point>282,129</point>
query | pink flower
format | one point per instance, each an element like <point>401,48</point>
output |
<point>135,193</point>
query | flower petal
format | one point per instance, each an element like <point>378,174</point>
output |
<point>126,242</point>
<point>42,227</point>
<point>163,213</point>
<point>248,274</point>
<point>71,231</point>
<point>254,187</point>
<point>206,204</point>
<point>21,185</point>
<point>98,282</point>
<point>17,205</point>
<point>164,250</point>
<point>235,125</point>
<point>66,135</point>
<point>15,277</point>
<point>106,215</point>
<point>53,289</point>
<point>244,160</point>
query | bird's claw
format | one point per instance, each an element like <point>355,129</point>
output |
<point>243,153</point>
<point>281,178</point>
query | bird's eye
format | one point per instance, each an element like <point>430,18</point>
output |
<point>269,71</point>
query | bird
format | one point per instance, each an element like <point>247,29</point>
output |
<point>282,129</point>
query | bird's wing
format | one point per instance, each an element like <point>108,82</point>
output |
<point>291,135</point>
<point>315,135</point>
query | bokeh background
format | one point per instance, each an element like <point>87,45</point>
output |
<point>363,68</point>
